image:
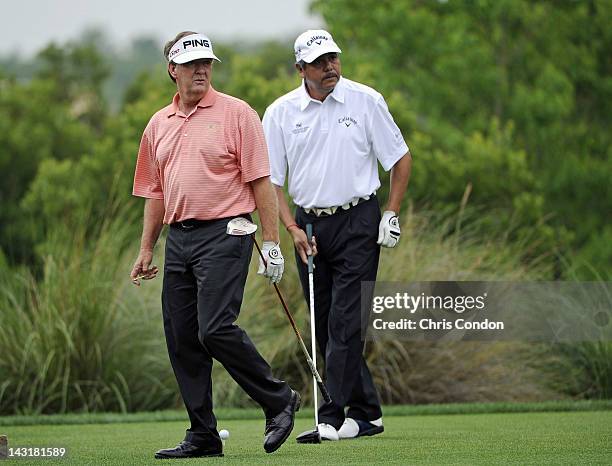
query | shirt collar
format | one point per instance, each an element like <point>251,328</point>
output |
<point>207,101</point>
<point>337,94</point>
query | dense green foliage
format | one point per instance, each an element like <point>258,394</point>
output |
<point>511,96</point>
<point>505,105</point>
<point>483,91</point>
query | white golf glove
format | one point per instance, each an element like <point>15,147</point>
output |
<point>388,230</point>
<point>275,263</point>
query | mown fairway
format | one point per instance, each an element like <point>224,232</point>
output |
<point>514,438</point>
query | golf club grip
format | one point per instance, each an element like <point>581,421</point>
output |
<point>324,391</point>
<point>308,238</point>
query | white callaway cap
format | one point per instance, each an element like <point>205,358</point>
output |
<point>313,43</point>
<point>191,48</point>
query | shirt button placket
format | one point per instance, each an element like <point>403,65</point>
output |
<point>324,117</point>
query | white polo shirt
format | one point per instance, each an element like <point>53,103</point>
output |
<point>330,148</point>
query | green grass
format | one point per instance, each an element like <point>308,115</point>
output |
<point>255,413</point>
<point>500,438</point>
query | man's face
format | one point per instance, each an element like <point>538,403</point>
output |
<point>322,75</point>
<point>192,78</point>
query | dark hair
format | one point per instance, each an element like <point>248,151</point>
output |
<point>171,42</point>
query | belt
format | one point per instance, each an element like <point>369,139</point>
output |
<point>189,224</point>
<point>325,211</point>
<point>193,223</point>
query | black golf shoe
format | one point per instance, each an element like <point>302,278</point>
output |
<point>187,449</point>
<point>280,426</point>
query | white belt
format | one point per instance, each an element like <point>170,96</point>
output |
<point>332,210</point>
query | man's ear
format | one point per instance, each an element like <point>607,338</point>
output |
<point>172,69</point>
<point>300,69</point>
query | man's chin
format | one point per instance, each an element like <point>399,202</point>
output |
<point>329,85</point>
<point>200,88</point>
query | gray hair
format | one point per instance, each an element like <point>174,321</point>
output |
<point>171,42</point>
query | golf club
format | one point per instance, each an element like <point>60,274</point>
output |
<point>312,436</point>
<point>240,226</point>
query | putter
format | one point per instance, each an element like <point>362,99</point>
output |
<point>240,226</point>
<point>312,436</point>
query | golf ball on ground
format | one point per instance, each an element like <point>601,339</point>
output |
<point>224,434</point>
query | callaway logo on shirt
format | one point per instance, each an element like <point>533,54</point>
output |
<point>348,121</point>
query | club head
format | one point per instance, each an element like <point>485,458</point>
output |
<point>240,226</point>
<point>310,436</point>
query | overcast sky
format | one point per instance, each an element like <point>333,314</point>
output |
<point>27,26</point>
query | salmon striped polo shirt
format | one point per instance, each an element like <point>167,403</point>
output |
<point>201,164</point>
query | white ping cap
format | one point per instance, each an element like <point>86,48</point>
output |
<point>192,47</point>
<point>312,44</point>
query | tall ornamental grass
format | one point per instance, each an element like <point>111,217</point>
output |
<point>432,247</point>
<point>74,336</point>
<point>78,336</point>
<point>582,370</point>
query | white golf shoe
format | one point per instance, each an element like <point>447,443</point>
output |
<point>353,428</point>
<point>328,432</point>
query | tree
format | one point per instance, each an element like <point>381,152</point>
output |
<point>55,116</point>
<point>455,71</point>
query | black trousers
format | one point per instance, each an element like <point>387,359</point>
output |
<point>204,276</point>
<point>347,255</point>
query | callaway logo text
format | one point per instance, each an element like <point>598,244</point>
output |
<point>317,39</point>
<point>348,121</point>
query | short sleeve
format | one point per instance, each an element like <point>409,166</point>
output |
<point>147,182</point>
<point>253,152</point>
<point>387,140</point>
<point>276,148</point>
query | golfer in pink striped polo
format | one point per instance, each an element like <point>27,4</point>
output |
<point>203,161</point>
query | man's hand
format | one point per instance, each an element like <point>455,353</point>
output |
<point>302,246</point>
<point>274,261</point>
<point>141,268</point>
<point>388,230</point>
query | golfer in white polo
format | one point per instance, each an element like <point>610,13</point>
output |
<point>325,139</point>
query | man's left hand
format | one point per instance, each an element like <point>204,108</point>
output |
<point>275,263</point>
<point>388,230</point>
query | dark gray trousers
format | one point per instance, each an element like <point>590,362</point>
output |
<point>204,276</point>
<point>347,255</point>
